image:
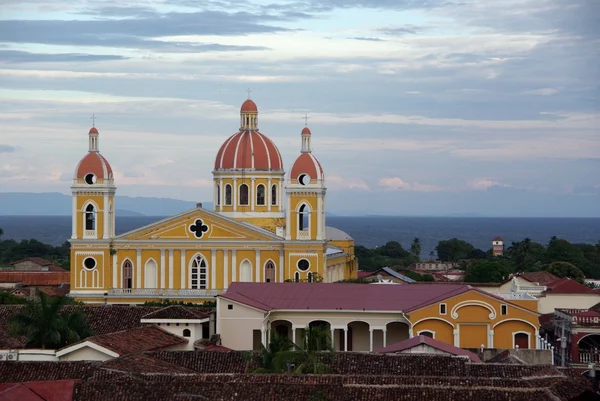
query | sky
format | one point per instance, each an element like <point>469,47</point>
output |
<point>417,107</point>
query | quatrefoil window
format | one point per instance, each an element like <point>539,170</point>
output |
<point>198,228</point>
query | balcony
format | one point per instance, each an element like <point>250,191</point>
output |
<point>162,293</point>
<point>589,356</point>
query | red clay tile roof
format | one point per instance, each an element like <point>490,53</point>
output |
<point>418,340</point>
<point>38,261</point>
<point>497,239</point>
<point>176,312</point>
<point>216,348</point>
<point>541,277</point>
<point>139,339</point>
<point>35,278</point>
<point>345,296</point>
<point>566,285</point>
<point>17,372</point>
<point>60,390</point>
<point>143,363</point>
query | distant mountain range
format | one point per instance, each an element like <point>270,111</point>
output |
<point>57,204</point>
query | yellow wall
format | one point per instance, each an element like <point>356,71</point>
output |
<point>100,208</point>
<point>476,313</point>
<point>295,201</point>
<point>275,180</point>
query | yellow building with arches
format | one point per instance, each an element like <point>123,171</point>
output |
<point>265,227</point>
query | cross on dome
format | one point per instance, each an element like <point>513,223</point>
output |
<point>93,118</point>
<point>249,91</point>
<point>305,118</point>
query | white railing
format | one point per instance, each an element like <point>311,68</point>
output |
<point>162,293</point>
<point>89,233</point>
<point>589,356</point>
<point>586,319</point>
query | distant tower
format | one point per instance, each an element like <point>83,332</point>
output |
<point>497,246</point>
<point>93,193</point>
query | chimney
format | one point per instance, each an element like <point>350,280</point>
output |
<point>198,205</point>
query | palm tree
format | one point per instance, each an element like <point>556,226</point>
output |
<point>45,326</point>
<point>267,356</point>
<point>415,247</point>
<point>307,358</point>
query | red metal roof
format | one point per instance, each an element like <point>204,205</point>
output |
<point>96,164</point>
<point>343,296</point>
<point>566,285</point>
<point>59,390</point>
<point>418,340</point>
<point>541,277</point>
<point>248,149</point>
<point>249,106</point>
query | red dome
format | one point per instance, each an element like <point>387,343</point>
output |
<point>306,130</point>
<point>249,149</point>
<point>96,164</point>
<point>249,106</point>
<point>306,163</point>
<point>93,130</point>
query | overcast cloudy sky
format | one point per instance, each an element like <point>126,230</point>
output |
<point>416,106</point>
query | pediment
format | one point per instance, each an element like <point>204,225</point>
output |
<point>199,225</point>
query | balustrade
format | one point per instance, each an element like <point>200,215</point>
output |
<point>163,293</point>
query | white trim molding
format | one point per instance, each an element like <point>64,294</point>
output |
<point>455,308</point>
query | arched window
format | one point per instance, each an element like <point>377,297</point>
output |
<point>187,333</point>
<point>274,194</point>
<point>245,271</point>
<point>90,217</point>
<point>150,273</point>
<point>127,274</point>
<point>260,195</point>
<point>309,277</point>
<point>218,194</point>
<point>303,218</point>
<point>297,277</point>
<point>243,194</point>
<point>228,195</point>
<point>426,334</point>
<point>269,272</point>
<point>198,273</point>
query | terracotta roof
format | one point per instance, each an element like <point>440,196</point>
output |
<point>145,338</point>
<point>143,363</point>
<point>541,277</point>
<point>345,296</point>
<point>94,163</point>
<point>497,239</point>
<point>248,149</point>
<point>175,312</point>
<point>419,340</point>
<point>216,348</point>
<point>60,390</point>
<point>35,278</point>
<point>53,291</point>
<point>306,163</point>
<point>306,131</point>
<point>17,372</point>
<point>37,261</point>
<point>566,285</point>
<point>364,274</point>
<point>249,106</point>
<point>93,130</point>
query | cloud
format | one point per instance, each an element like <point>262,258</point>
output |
<point>483,184</point>
<point>367,39</point>
<point>338,182</point>
<point>398,184</point>
<point>8,148</point>
<point>401,30</point>
<point>15,56</point>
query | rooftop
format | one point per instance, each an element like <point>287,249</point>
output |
<point>424,340</point>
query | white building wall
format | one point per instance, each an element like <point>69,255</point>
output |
<point>85,354</point>
<point>236,325</point>
<point>551,301</point>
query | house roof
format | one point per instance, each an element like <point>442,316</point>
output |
<point>26,371</point>
<point>541,277</point>
<point>345,296</point>
<point>175,312</point>
<point>35,278</point>
<point>419,340</point>
<point>42,262</point>
<point>146,338</point>
<point>566,285</point>
<point>60,390</point>
<point>364,274</point>
<point>393,273</point>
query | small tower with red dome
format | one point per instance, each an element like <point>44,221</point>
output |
<point>497,246</point>
<point>305,190</point>
<point>248,175</point>
<point>93,192</point>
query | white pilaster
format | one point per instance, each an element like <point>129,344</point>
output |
<point>252,194</point>
<point>384,337</point>
<point>163,268</point>
<point>456,338</point>
<point>234,191</point>
<point>346,338</point>
<point>213,268</point>
<point>491,339</point>
<point>183,269</point>
<point>281,277</point>
<point>294,334</point>
<point>74,214</point>
<point>114,270</point>
<point>138,269</point>
<point>269,195</point>
<point>288,218</point>
<point>233,266</point>
<point>370,339</point>
<point>332,338</point>
<point>320,218</point>
<point>106,228</point>
<point>222,200</point>
<point>171,268</point>
<point>225,269</point>
<point>257,268</point>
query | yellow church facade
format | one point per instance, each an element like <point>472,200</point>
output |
<point>265,227</point>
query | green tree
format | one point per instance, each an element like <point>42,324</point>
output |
<point>566,269</point>
<point>267,357</point>
<point>6,298</point>
<point>393,249</point>
<point>45,326</point>
<point>1,232</point>
<point>525,255</point>
<point>306,358</point>
<point>453,250</point>
<point>415,248</point>
<point>483,271</point>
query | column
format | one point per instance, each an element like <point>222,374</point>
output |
<point>268,195</point>
<point>411,333</point>
<point>105,229</point>
<point>491,340</point>
<point>346,338</point>
<point>281,277</point>
<point>294,334</point>
<point>264,336</point>
<point>288,218</point>
<point>234,199</point>
<point>257,269</point>
<point>252,194</point>
<point>182,269</point>
<point>163,268</point>
<point>74,214</point>
<point>213,268</point>
<point>114,270</point>
<point>222,191</point>
<point>233,266</point>
<point>332,338</point>
<point>319,218</point>
<point>537,340</point>
<point>225,269</point>
<point>456,338</point>
<point>370,339</point>
<point>138,269</point>
<point>171,268</point>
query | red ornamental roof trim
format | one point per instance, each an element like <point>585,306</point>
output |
<point>248,149</point>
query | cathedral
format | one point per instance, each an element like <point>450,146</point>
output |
<point>265,227</point>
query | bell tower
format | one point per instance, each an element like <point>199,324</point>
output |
<point>305,192</point>
<point>93,192</point>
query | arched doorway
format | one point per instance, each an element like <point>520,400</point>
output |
<point>282,327</point>
<point>396,332</point>
<point>589,349</point>
<point>321,335</point>
<point>359,336</point>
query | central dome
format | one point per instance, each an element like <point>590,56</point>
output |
<point>248,148</point>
